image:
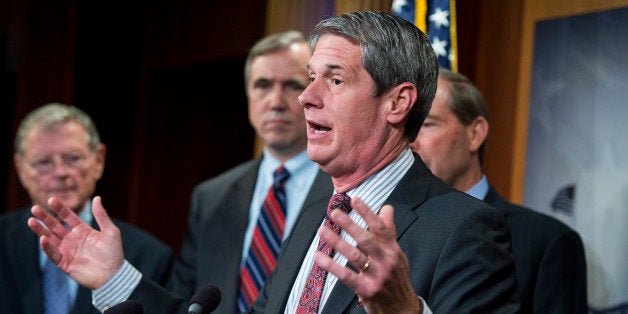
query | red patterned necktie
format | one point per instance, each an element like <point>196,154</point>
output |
<point>313,290</point>
<point>265,243</point>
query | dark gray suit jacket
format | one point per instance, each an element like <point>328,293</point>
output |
<point>458,249</point>
<point>212,249</point>
<point>549,259</point>
<point>20,275</point>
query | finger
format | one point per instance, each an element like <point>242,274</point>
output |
<point>353,254</point>
<point>37,227</point>
<point>344,274</point>
<point>358,233</point>
<point>381,225</point>
<point>69,217</point>
<point>373,221</point>
<point>100,214</point>
<point>40,213</point>
<point>51,251</point>
<point>44,236</point>
<point>387,214</point>
<point>37,224</point>
<point>371,241</point>
<point>54,228</point>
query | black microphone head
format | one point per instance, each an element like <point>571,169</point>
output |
<point>204,300</point>
<point>126,307</point>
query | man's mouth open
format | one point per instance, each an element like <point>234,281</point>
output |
<point>318,129</point>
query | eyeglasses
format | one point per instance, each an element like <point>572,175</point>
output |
<point>48,165</point>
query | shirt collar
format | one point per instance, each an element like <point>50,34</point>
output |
<point>480,189</point>
<point>295,164</point>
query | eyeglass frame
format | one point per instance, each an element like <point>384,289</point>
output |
<point>47,165</point>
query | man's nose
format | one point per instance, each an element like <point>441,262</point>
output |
<point>278,98</point>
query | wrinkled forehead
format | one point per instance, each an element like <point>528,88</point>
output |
<point>70,134</point>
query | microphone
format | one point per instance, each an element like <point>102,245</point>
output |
<point>126,307</point>
<point>204,300</point>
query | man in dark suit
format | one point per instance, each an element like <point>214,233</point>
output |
<point>549,256</point>
<point>225,209</point>
<point>58,153</point>
<point>372,80</point>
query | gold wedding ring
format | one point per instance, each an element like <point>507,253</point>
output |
<point>366,265</point>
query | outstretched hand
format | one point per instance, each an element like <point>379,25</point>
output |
<point>89,256</point>
<point>383,279</point>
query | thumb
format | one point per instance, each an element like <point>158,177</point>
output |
<point>100,214</point>
<point>387,214</point>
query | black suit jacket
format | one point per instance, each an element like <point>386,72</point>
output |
<point>458,250</point>
<point>20,275</point>
<point>212,249</point>
<point>549,260</point>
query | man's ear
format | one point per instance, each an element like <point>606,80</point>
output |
<point>19,167</point>
<point>402,98</point>
<point>101,153</point>
<point>478,131</point>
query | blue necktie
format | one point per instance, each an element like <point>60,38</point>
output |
<point>56,294</point>
<point>266,242</point>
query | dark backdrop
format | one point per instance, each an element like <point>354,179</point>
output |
<point>163,81</point>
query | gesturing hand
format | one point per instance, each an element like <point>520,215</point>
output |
<point>89,256</point>
<point>382,282</point>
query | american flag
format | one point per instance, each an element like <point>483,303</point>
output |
<point>436,18</point>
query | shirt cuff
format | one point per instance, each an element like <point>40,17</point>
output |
<point>118,288</point>
<point>426,309</point>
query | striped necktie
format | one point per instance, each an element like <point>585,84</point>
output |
<point>265,243</point>
<point>55,288</point>
<point>313,290</point>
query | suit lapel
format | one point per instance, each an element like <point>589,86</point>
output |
<point>24,255</point>
<point>491,195</point>
<point>410,193</point>
<point>321,189</point>
<point>233,222</point>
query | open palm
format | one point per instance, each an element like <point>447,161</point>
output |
<point>88,255</point>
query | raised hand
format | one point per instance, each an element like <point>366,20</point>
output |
<point>383,281</point>
<point>89,256</point>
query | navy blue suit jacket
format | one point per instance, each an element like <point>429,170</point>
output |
<point>20,275</point>
<point>549,260</point>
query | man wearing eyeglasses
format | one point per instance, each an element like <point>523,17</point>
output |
<point>58,153</point>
